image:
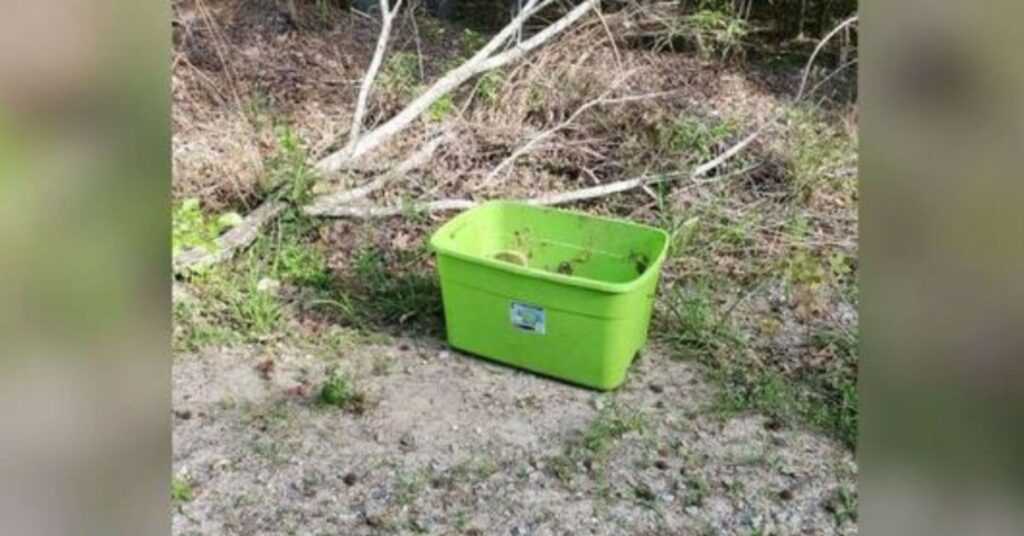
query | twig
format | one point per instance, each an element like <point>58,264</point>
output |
<point>611,37</point>
<point>416,35</point>
<point>831,76</point>
<point>817,49</point>
<point>531,143</point>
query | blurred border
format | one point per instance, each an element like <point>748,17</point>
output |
<point>84,231</point>
<point>942,230</point>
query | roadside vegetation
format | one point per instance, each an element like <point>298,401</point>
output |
<point>761,284</point>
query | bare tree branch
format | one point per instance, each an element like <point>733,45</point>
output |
<point>388,17</point>
<point>330,204</point>
<point>484,60</point>
<point>817,49</point>
<point>370,211</point>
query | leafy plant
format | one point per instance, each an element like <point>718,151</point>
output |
<point>289,167</point>
<point>400,74</point>
<point>441,108</point>
<point>301,264</point>
<point>717,32</point>
<point>698,138</point>
<point>191,228</point>
<point>181,490</point>
<point>339,391</point>
<point>489,86</point>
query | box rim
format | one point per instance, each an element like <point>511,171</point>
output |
<point>617,288</point>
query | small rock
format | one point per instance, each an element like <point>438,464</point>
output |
<point>350,479</point>
<point>778,441</point>
<point>268,285</point>
<point>661,464</point>
<point>656,388</point>
<point>407,440</point>
<point>183,414</point>
<point>786,494</point>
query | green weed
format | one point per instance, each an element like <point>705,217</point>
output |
<point>393,294</point>
<point>301,264</point>
<point>717,32</point>
<point>238,299</point>
<point>193,331</point>
<point>191,228</point>
<point>842,505</point>
<point>472,41</point>
<point>830,405</point>
<point>441,109</point>
<point>400,75</point>
<point>181,490</point>
<point>338,390</point>
<point>612,422</point>
<point>697,490</point>
<point>818,153</point>
<point>695,325</point>
<point>408,487</point>
<point>595,442</point>
<point>489,86</point>
<point>695,137</point>
<point>289,168</point>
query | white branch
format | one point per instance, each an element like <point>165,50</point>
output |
<point>369,211</point>
<point>484,60</point>
<point>388,17</point>
<point>817,49</point>
<point>330,204</point>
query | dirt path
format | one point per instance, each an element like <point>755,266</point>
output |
<point>451,444</point>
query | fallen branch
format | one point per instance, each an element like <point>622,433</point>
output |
<point>235,239</point>
<point>484,60</point>
<point>370,211</point>
<point>487,58</point>
<point>328,205</point>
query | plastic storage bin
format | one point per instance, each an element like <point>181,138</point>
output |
<point>557,292</point>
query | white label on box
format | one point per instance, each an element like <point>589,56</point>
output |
<point>527,317</point>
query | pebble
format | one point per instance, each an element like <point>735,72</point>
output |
<point>656,388</point>
<point>350,479</point>
<point>183,414</point>
<point>661,464</point>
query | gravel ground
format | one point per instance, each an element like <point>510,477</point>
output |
<point>451,444</point>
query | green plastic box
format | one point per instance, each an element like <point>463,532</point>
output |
<point>557,292</point>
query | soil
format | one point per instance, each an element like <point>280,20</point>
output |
<point>453,444</point>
